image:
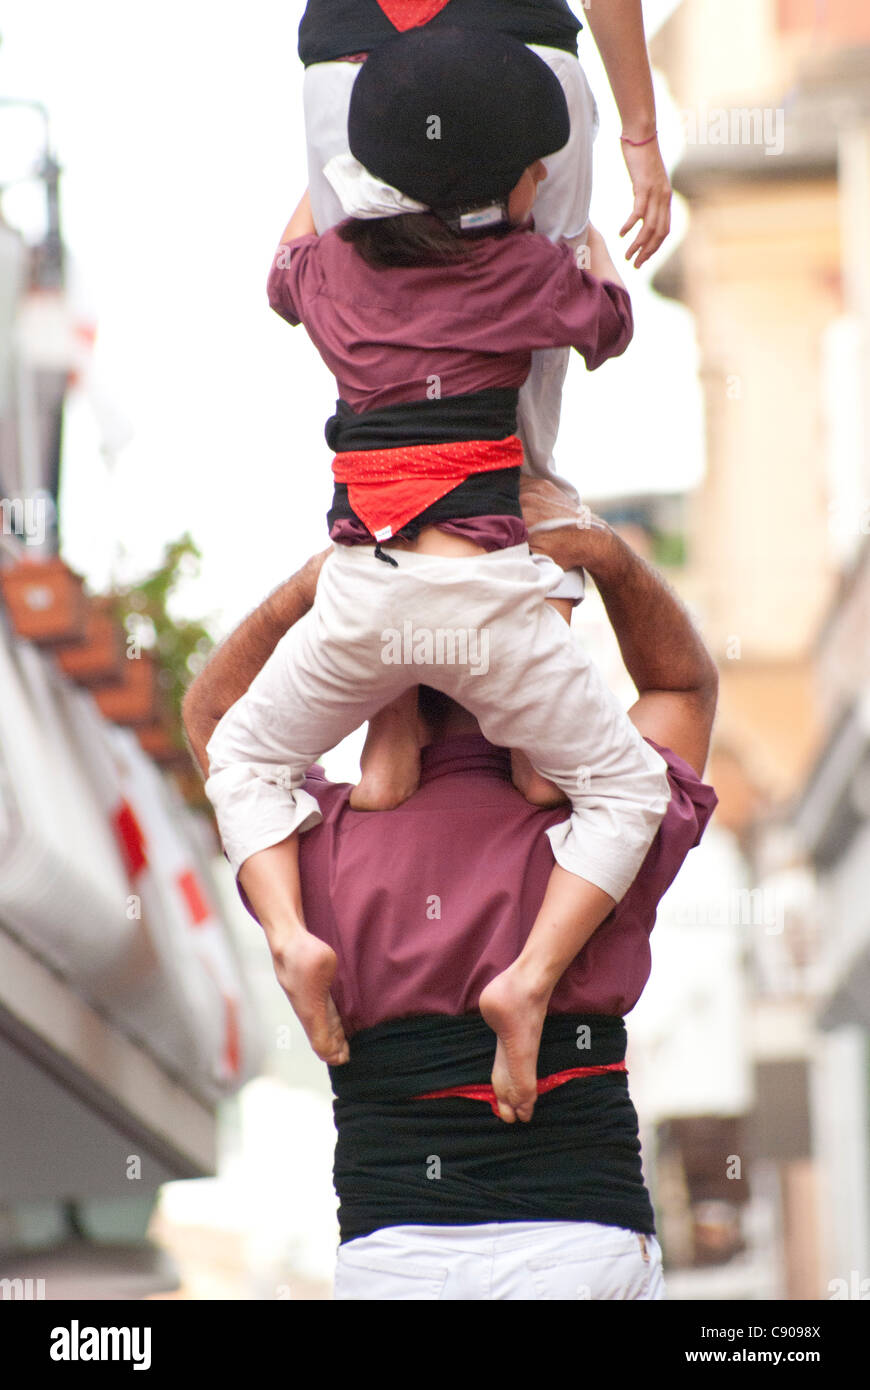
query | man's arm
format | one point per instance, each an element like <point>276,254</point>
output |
<point>230,670</point>
<point>675,676</point>
<point>617,27</point>
<point>303,965</point>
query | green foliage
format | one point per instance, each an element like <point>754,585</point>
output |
<point>669,549</point>
<point>180,645</point>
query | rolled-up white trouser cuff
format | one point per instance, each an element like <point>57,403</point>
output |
<point>564,844</point>
<point>275,812</point>
<point>601,859</point>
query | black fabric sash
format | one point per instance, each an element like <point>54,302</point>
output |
<point>490,414</point>
<point>332,28</point>
<point>408,1056</point>
<point>400,1161</point>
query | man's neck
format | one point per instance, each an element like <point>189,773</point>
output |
<point>463,752</point>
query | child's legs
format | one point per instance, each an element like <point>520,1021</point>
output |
<point>565,585</point>
<point>533,786</point>
<point>390,759</point>
<point>561,211</point>
<point>326,676</point>
<point>544,697</point>
<point>334,673</point>
<point>561,208</point>
<point>539,410</point>
<point>326,89</point>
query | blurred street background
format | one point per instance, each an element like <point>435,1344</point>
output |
<point>166,1131</point>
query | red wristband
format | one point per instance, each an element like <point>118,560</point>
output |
<point>636,143</point>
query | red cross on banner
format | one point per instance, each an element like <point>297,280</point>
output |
<point>410,14</point>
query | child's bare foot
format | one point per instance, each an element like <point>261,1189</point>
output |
<point>515,1010</point>
<point>533,786</point>
<point>390,759</point>
<point>305,967</point>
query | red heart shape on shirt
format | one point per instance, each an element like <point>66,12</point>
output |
<point>410,14</point>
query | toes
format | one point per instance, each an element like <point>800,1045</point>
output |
<point>325,1033</point>
<point>331,1046</point>
<point>339,1051</point>
<point>332,1052</point>
<point>515,1101</point>
<point>522,1101</point>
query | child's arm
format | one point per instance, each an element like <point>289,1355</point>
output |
<point>600,263</point>
<point>590,305</point>
<point>282,286</point>
<point>302,221</point>
<point>617,28</point>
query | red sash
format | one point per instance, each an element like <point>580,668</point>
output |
<point>546,1083</point>
<point>410,14</point>
<point>389,487</point>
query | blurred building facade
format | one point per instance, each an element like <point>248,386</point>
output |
<point>774,102</point>
<point>125,1013</point>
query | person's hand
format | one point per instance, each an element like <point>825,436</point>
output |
<point>652,200</point>
<point>571,535</point>
<point>599,261</point>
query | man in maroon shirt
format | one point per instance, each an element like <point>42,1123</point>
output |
<point>422,907</point>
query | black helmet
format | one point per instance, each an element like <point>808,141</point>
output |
<point>453,116</point>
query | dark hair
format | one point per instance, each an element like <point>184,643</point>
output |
<point>413,238</point>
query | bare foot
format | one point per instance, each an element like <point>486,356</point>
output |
<point>390,759</point>
<point>515,1011</point>
<point>535,788</point>
<point>305,967</point>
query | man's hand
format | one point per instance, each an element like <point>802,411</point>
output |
<point>572,536</point>
<point>664,655</point>
<point>652,200</point>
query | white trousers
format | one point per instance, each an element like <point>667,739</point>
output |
<point>536,1260</point>
<point>561,212</point>
<point>477,628</point>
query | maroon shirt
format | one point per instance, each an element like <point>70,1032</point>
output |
<point>489,532</point>
<point>424,905</point>
<point>387,333</point>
